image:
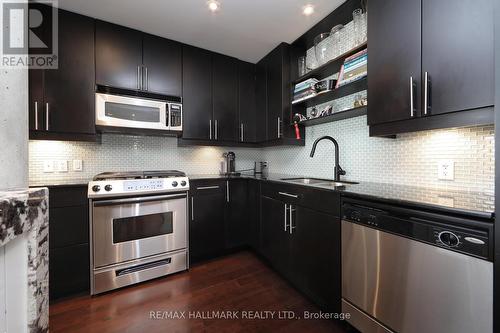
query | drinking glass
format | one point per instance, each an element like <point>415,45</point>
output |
<point>337,40</point>
<point>322,48</point>
<point>302,66</point>
<point>359,23</point>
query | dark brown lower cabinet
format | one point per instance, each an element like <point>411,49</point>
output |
<point>69,251</point>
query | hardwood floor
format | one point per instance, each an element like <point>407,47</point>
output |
<point>240,282</point>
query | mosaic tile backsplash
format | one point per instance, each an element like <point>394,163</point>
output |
<point>411,159</point>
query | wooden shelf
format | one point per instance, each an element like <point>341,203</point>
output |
<point>331,67</point>
<point>348,89</point>
<point>351,113</point>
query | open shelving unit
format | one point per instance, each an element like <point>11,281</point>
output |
<point>342,15</point>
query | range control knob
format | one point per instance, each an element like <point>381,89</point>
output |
<point>448,238</point>
<point>356,216</point>
<point>108,188</point>
<point>183,183</point>
<point>96,188</point>
<point>174,184</point>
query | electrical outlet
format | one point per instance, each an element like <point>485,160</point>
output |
<point>446,170</point>
<point>77,165</point>
<point>48,166</point>
<point>62,166</point>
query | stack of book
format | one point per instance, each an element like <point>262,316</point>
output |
<point>304,90</point>
<point>354,68</point>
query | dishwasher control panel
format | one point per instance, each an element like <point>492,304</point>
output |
<point>431,229</point>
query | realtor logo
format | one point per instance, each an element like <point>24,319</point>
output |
<point>29,34</point>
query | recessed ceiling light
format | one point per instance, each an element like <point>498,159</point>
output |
<point>213,5</point>
<point>308,10</point>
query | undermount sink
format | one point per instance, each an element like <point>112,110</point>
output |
<point>317,181</point>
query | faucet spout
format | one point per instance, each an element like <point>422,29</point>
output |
<point>338,171</point>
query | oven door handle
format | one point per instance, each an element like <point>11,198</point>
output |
<point>138,200</point>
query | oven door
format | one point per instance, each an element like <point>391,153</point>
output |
<point>131,112</point>
<point>128,229</point>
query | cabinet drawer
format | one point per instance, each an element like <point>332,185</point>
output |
<point>68,226</point>
<point>207,186</point>
<point>68,196</point>
<point>321,200</point>
<point>69,271</point>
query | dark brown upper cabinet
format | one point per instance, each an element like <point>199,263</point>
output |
<point>430,64</point>
<point>247,102</point>
<point>118,56</point>
<point>273,73</point>
<point>130,59</point>
<point>61,101</point>
<point>197,93</point>
<point>225,98</point>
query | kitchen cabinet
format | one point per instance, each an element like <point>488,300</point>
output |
<point>247,102</point>
<point>197,93</point>
<point>302,243</point>
<point>206,223</point>
<point>162,61</point>
<point>435,65</point>
<point>274,95</point>
<point>118,56</point>
<point>275,238</point>
<point>61,101</point>
<point>225,98</point>
<point>69,264</point>
<point>237,220</point>
<point>130,59</point>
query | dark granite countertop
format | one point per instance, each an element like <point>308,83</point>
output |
<point>454,201</point>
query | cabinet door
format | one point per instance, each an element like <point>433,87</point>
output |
<point>206,226</point>
<point>69,90</point>
<point>457,54</point>
<point>394,32</point>
<point>237,217</point>
<point>69,271</point>
<point>275,242</point>
<point>253,211</point>
<point>247,102</point>
<point>225,98</point>
<point>163,61</point>
<point>315,256</point>
<point>36,106</point>
<point>118,56</point>
<point>261,101</point>
<point>275,94</point>
<point>197,93</point>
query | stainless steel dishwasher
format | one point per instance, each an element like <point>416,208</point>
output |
<point>411,271</point>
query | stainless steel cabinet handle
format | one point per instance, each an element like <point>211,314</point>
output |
<point>216,129</point>
<point>291,210</point>
<point>47,114</point>
<point>192,208</point>
<point>210,126</point>
<point>286,211</point>
<point>36,116</point>
<point>146,79</point>
<point>227,191</point>
<point>138,77</point>
<point>426,92</point>
<point>241,132</point>
<point>279,127</point>
<point>289,195</point>
<point>208,188</point>
<point>412,104</point>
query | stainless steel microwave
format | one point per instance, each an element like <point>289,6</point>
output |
<point>137,113</point>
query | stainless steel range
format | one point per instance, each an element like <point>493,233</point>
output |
<point>138,227</point>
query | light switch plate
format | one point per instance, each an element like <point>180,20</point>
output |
<point>62,166</point>
<point>77,165</point>
<point>446,170</point>
<point>48,166</point>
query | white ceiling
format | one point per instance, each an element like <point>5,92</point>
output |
<point>245,29</point>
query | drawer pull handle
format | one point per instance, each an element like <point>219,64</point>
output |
<point>207,188</point>
<point>289,195</point>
